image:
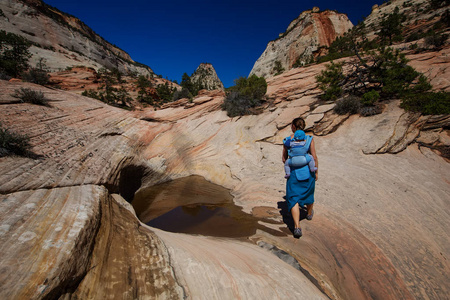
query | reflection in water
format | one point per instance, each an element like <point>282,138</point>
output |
<point>225,221</point>
<point>194,205</point>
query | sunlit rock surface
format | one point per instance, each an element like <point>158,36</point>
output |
<point>207,76</point>
<point>381,221</point>
<point>301,41</point>
<point>62,40</point>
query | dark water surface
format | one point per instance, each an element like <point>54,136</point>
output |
<point>196,206</point>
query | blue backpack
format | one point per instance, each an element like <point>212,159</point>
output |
<point>297,152</point>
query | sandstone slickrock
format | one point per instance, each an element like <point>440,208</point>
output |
<point>128,261</point>
<point>83,144</point>
<point>242,275</point>
<point>46,240</point>
<point>302,39</point>
<point>381,221</point>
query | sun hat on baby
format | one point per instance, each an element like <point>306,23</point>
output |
<point>299,135</point>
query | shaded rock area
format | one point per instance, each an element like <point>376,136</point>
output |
<point>129,261</point>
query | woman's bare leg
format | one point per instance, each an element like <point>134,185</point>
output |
<point>295,212</point>
<point>309,208</point>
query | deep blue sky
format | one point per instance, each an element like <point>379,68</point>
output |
<point>174,37</point>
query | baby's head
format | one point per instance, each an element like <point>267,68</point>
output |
<point>299,135</point>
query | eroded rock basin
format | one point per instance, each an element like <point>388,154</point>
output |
<point>196,206</point>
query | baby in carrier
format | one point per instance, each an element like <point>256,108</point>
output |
<point>298,150</point>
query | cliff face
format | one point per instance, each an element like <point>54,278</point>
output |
<point>61,39</point>
<point>420,16</point>
<point>207,76</point>
<point>301,41</point>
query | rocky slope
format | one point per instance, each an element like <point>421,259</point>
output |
<point>63,40</point>
<point>420,16</point>
<point>55,208</point>
<point>301,41</point>
<point>207,76</point>
<point>379,230</point>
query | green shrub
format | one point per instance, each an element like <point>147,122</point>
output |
<point>35,75</point>
<point>391,27</point>
<point>413,37</point>
<point>278,68</point>
<point>192,86</point>
<point>329,81</point>
<point>413,46</point>
<point>14,53</point>
<point>384,71</point>
<point>436,40</point>
<point>165,92</point>
<point>91,94</point>
<point>348,105</point>
<point>333,56</point>
<point>394,77</point>
<point>13,143</point>
<point>247,94</point>
<point>237,104</point>
<point>430,103</point>
<point>31,96</point>
<point>253,87</point>
<point>183,93</point>
<point>370,98</point>
<point>108,92</point>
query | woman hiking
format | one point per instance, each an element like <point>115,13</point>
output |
<point>301,183</point>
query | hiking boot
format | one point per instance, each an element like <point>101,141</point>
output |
<point>309,217</point>
<point>297,233</point>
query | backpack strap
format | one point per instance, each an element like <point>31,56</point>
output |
<point>308,142</point>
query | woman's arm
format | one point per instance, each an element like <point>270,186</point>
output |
<point>285,154</point>
<point>312,150</point>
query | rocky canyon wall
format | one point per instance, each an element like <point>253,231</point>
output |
<point>62,40</point>
<point>302,39</point>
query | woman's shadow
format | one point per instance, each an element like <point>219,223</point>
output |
<point>287,217</point>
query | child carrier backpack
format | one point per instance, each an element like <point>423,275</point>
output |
<point>297,152</point>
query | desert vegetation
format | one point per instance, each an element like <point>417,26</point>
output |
<point>12,143</point>
<point>378,72</point>
<point>111,90</point>
<point>245,96</point>
<point>14,56</point>
<point>27,95</point>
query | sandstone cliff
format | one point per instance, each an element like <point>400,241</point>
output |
<point>301,41</point>
<point>207,76</point>
<point>420,16</point>
<point>63,40</point>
